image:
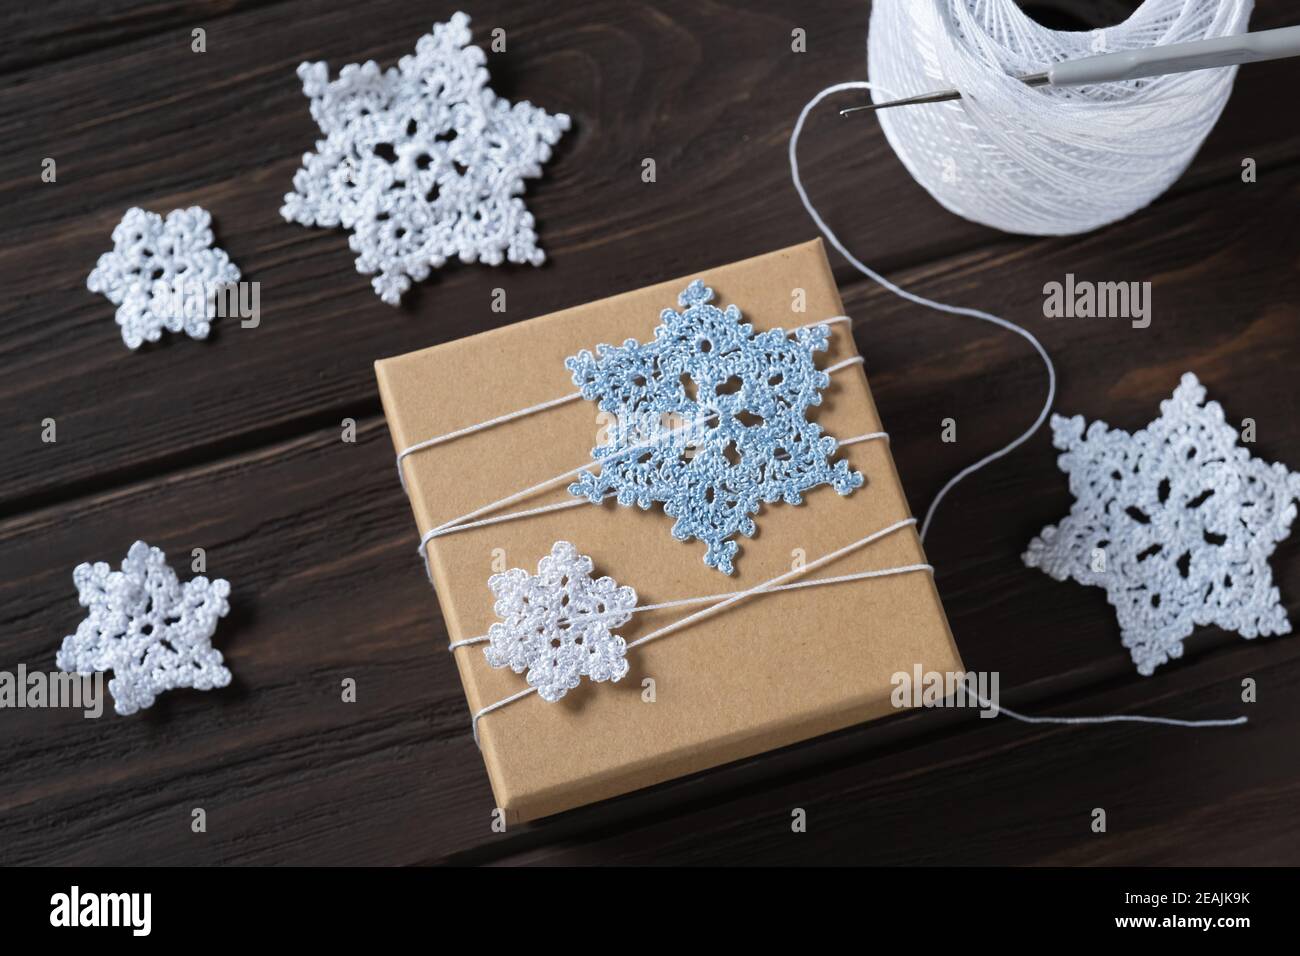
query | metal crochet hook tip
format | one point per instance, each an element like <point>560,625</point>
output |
<point>938,96</point>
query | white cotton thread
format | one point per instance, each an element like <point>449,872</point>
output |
<point>481,426</point>
<point>783,582</point>
<point>1001,709</point>
<point>464,522</point>
<point>476,519</point>
<point>1116,719</point>
<point>562,505</point>
<point>563,400</point>
<point>902,293</point>
<point>773,582</point>
<point>498,519</point>
<point>727,601</point>
<point>1043,160</point>
<point>705,599</point>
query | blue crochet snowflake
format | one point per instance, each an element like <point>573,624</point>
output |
<point>711,422</point>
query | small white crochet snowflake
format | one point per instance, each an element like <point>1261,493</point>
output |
<point>422,162</point>
<point>1175,521</point>
<point>163,274</point>
<point>558,624</point>
<point>151,631</point>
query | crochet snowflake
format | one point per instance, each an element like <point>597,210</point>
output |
<point>151,631</point>
<point>742,397</point>
<point>558,623</point>
<point>422,162</point>
<point>1175,521</point>
<point>163,274</point>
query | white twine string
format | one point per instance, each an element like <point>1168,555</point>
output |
<point>561,505</point>
<point>779,583</point>
<point>705,599</point>
<point>1049,161</point>
<point>919,300</point>
<point>463,523</point>
<point>471,429</point>
<point>1116,719</point>
<point>474,519</point>
<point>563,399</point>
<point>727,601</point>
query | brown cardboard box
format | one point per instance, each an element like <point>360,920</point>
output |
<point>767,672</point>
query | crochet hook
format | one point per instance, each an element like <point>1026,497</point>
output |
<point>1134,64</point>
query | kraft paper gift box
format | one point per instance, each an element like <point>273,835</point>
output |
<point>764,673</point>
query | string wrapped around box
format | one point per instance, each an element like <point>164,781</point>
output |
<point>557,626</point>
<point>742,397</point>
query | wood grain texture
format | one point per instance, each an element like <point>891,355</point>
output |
<point>233,445</point>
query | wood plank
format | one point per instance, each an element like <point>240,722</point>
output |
<point>41,34</point>
<point>148,122</point>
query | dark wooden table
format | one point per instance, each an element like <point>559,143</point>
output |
<point>233,445</point>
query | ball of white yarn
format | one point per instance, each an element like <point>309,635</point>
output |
<point>1042,161</point>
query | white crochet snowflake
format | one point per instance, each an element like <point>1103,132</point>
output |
<point>1175,521</point>
<point>163,274</point>
<point>151,631</point>
<point>558,624</point>
<point>422,162</point>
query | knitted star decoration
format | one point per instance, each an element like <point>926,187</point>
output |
<point>1175,521</point>
<point>153,632</point>
<point>422,162</point>
<point>558,624</point>
<point>163,274</point>
<point>744,397</point>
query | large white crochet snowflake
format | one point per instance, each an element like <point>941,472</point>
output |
<point>422,162</point>
<point>558,624</point>
<point>1175,521</point>
<point>151,631</point>
<point>163,274</point>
